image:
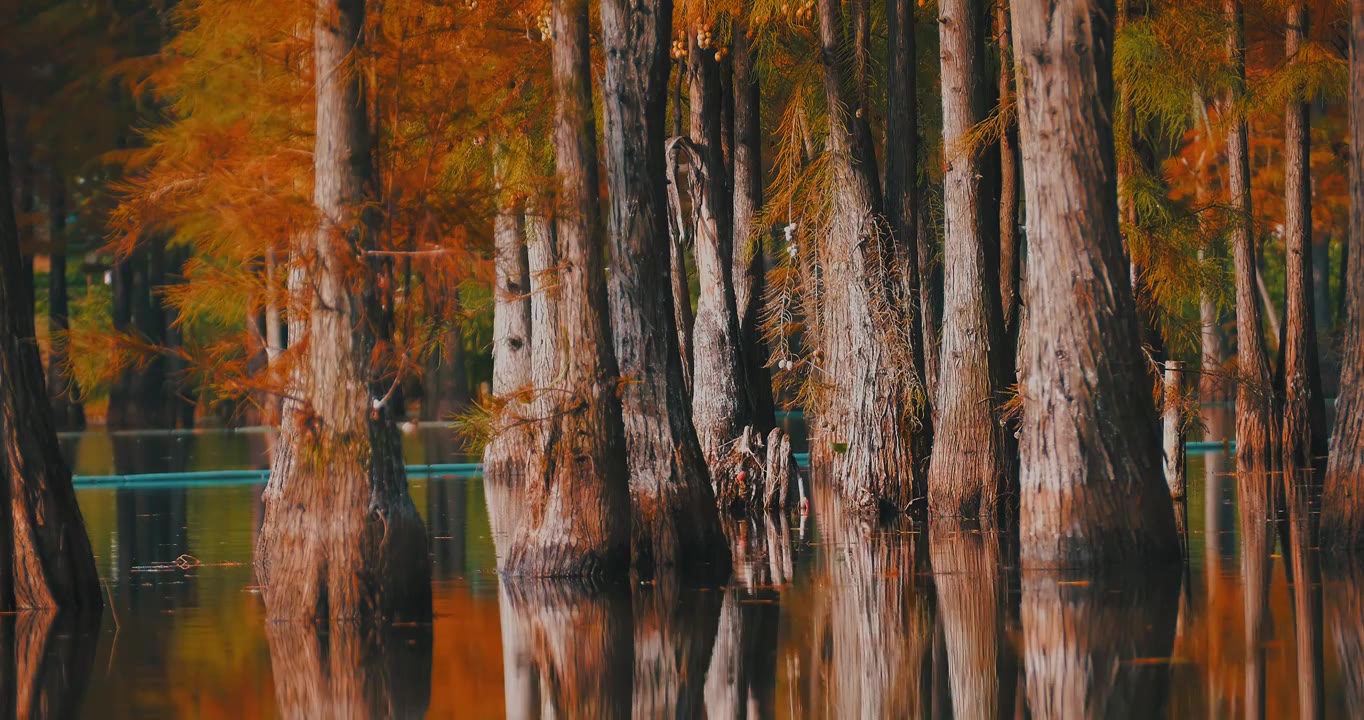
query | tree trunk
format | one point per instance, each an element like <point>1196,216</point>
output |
<point>903,211</point>
<point>1213,355</point>
<point>674,519</point>
<point>749,270</point>
<point>674,636</point>
<point>741,681</point>
<point>53,656</point>
<point>341,538</point>
<point>930,300</point>
<point>1092,492</point>
<point>1304,575</point>
<point>1304,412</point>
<point>680,239</point>
<point>42,533</point>
<point>578,504</point>
<point>720,402</point>
<point>862,431</point>
<point>1342,519</point>
<point>1080,639</point>
<point>969,469</point>
<point>1010,181</point>
<point>1343,608</point>
<point>1255,509</point>
<point>63,392</point>
<point>511,442</point>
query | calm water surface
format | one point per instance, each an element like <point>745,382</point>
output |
<point>825,617</point>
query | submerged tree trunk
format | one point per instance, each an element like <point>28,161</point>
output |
<point>511,443</point>
<point>1092,492</point>
<point>1342,518</point>
<point>578,504</point>
<point>674,519</point>
<point>969,469</point>
<point>1255,508</point>
<point>720,402</point>
<point>350,671</point>
<point>45,555</point>
<point>862,430</point>
<point>63,392</point>
<point>341,538</point>
<point>1256,434</point>
<point>749,271</point>
<point>972,594</point>
<point>674,635</point>
<point>1304,412</point>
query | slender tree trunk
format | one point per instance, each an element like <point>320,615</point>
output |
<point>1342,518</point>
<point>930,299</point>
<point>1255,509</point>
<point>972,593</point>
<point>674,519</point>
<point>578,504</point>
<point>969,469</point>
<point>341,538</point>
<point>1010,180</point>
<point>749,271</point>
<point>42,533</point>
<point>1255,434</point>
<point>63,392</point>
<point>862,431</point>
<point>1213,355</point>
<point>1092,492</point>
<point>720,402</point>
<point>511,443</point>
<point>1304,413</point>
<point>1305,578</point>
<point>903,211</point>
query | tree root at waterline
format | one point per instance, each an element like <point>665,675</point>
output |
<point>756,475</point>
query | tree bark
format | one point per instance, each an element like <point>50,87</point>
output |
<point>1010,180</point>
<point>969,469</point>
<point>578,504</point>
<point>862,431</point>
<point>45,555</point>
<point>1092,492</point>
<point>511,442</point>
<point>680,239</point>
<point>341,538</point>
<point>720,402</point>
<point>1304,412</point>
<point>63,392</point>
<point>1256,437</point>
<point>1342,519</point>
<point>674,519</point>
<point>1213,355</point>
<point>749,270</point>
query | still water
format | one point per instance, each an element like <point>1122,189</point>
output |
<point>824,618</point>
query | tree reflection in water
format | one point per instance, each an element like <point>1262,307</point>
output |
<point>45,663</point>
<point>350,670</point>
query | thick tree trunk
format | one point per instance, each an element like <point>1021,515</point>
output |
<point>1010,181</point>
<point>1079,640</point>
<point>1342,519</point>
<point>511,442</point>
<point>341,538</point>
<point>1256,434</point>
<point>349,671</point>
<point>63,392</point>
<point>1304,411</point>
<point>568,649</point>
<point>1091,483</point>
<point>674,519</point>
<point>969,470</point>
<point>578,504</point>
<point>749,271</point>
<point>972,594</point>
<point>862,431</point>
<point>720,401</point>
<point>45,556</point>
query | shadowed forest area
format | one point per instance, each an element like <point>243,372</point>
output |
<point>939,358</point>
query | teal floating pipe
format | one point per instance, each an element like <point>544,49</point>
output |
<point>225,478</point>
